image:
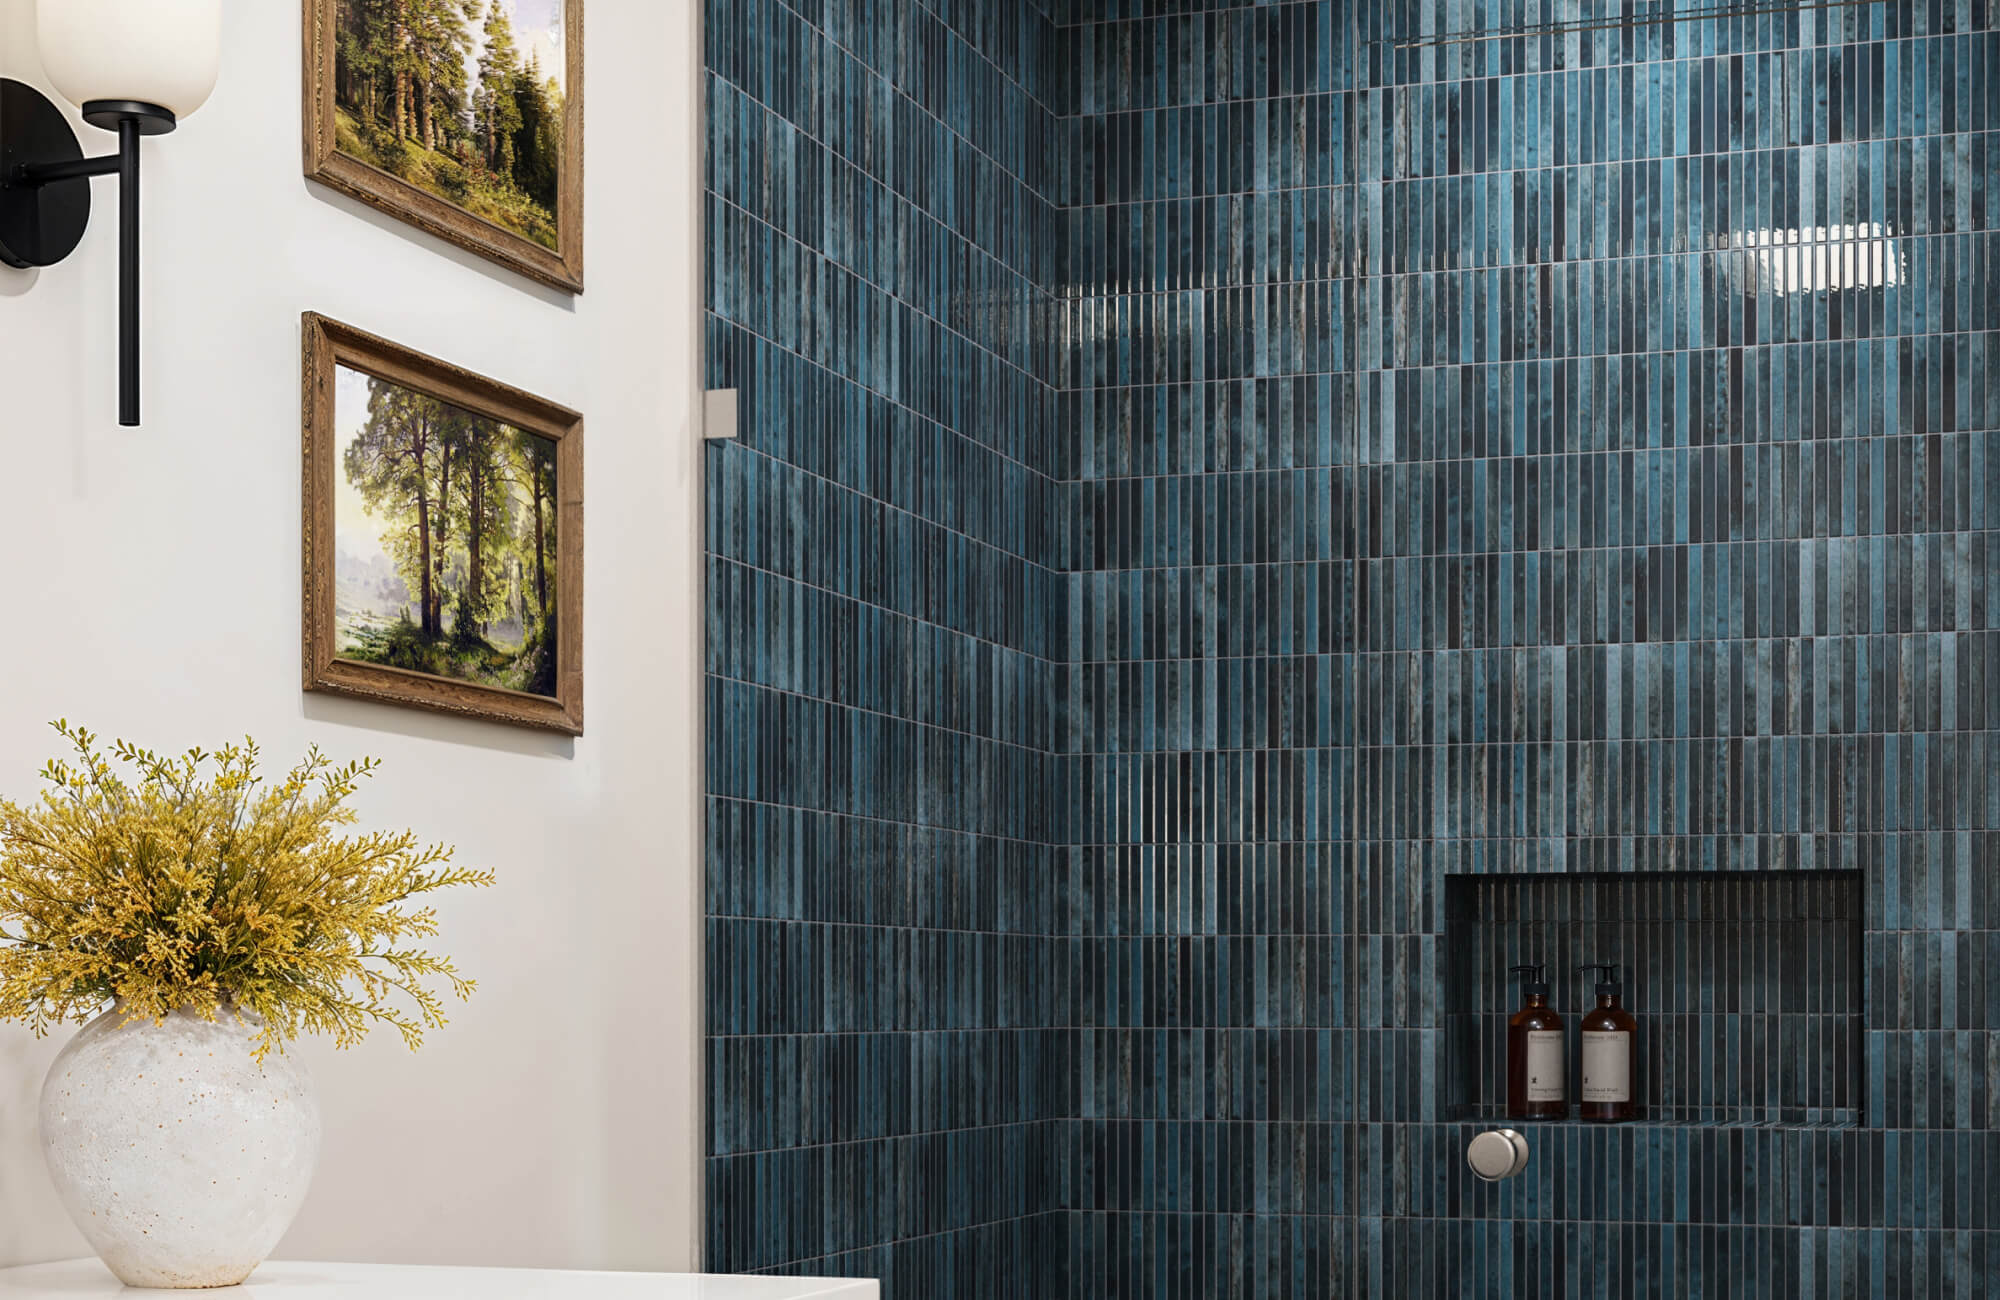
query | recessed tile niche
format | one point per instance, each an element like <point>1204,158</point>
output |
<point>1747,987</point>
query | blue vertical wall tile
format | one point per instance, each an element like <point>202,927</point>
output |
<point>1220,477</point>
<point>889,1078</point>
<point>1636,381</point>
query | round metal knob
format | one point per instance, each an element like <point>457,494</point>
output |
<point>1497,1154</point>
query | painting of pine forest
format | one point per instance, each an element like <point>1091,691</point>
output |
<point>461,98</point>
<point>445,538</point>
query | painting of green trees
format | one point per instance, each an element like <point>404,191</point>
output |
<point>445,539</point>
<point>461,98</point>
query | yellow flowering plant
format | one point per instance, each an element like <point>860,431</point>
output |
<point>197,884</point>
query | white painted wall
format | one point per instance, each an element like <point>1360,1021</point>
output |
<point>151,590</point>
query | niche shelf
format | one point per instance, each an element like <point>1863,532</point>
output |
<point>1747,987</point>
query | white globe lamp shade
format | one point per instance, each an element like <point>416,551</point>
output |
<point>163,52</point>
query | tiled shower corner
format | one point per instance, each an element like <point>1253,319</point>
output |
<point>1216,486</point>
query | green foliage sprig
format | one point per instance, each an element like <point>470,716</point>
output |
<point>198,885</point>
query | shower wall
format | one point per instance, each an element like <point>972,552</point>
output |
<point>1541,456</point>
<point>1212,477</point>
<point>1229,928</point>
<point>887,1092</point>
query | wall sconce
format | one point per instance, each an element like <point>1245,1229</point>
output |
<point>134,67</point>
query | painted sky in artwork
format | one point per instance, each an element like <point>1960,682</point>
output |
<point>538,29</point>
<point>353,525</point>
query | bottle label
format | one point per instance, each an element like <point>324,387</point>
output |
<point>1545,1065</point>
<point>1607,1066</point>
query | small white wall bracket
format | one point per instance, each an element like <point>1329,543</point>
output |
<point>718,414</point>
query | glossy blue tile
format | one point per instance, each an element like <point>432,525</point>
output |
<point>1223,485</point>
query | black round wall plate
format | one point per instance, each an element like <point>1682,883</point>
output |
<point>40,225</point>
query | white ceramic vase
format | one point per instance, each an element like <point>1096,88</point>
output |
<point>178,1156</point>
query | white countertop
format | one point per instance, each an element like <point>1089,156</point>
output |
<point>284,1281</point>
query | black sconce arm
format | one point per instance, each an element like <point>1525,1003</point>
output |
<point>27,175</point>
<point>43,215</point>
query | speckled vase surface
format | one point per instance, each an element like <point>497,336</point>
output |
<point>180,1158</point>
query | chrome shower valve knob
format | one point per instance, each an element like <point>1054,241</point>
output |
<point>1497,1154</point>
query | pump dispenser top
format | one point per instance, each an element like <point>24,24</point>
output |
<point>1534,979</point>
<point>1608,983</point>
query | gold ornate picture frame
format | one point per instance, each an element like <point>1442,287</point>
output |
<point>463,118</point>
<point>443,535</point>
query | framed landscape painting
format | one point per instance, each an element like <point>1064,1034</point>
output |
<point>462,117</point>
<point>443,535</point>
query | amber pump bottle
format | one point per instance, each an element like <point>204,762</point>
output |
<point>1609,1033</point>
<point>1536,1071</point>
